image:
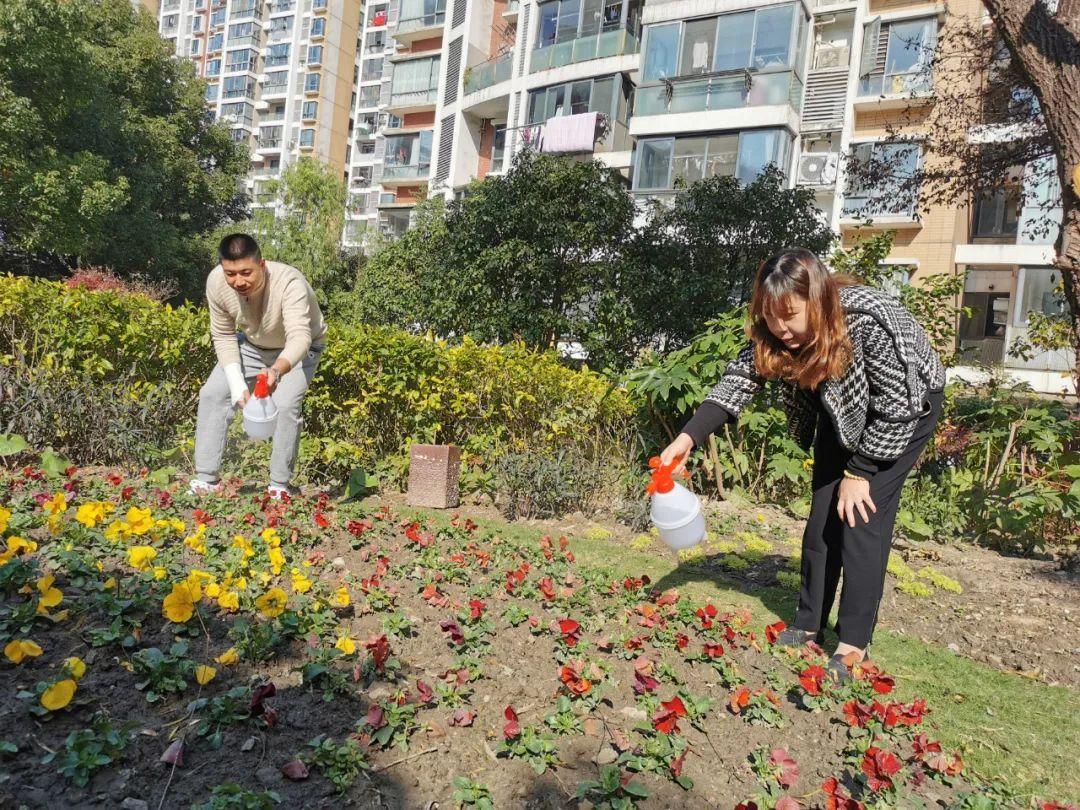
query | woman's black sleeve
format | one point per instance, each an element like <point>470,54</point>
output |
<point>706,420</point>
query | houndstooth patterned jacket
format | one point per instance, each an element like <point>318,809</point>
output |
<point>876,403</point>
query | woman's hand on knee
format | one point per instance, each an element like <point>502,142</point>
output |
<point>854,496</point>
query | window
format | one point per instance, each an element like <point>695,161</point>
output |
<point>239,135</point>
<point>366,147</point>
<point>665,163</point>
<point>281,25</point>
<point>371,69</point>
<point>319,5</point>
<point>1041,292</point>
<point>213,67</point>
<point>416,77</point>
<point>369,96</point>
<point>318,27</point>
<point>905,66</point>
<point>896,164</point>
<point>311,110</point>
<point>377,15</point>
<point>361,176</point>
<point>314,55</point>
<point>412,152</point>
<point>755,40</point>
<point>196,47</point>
<point>498,147</point>
<point>238,86</point>
<point>245,59</point>
<point>307,138</point>
<point>566,20</point>
<point>661,51</point>
<point>312,82</point>
<point>211,94</point>
<point>242,32</point>
<point>196,24</point>
<point>217,42</point>
<point>277,55</point>
<point>277,82</point>
<point>997,315</point>
<point>217,18</point>
<point>375,42</point>
<point>590,95</point>
<point>423,12</point>
<point>270,137</point>
<point>997,212</point>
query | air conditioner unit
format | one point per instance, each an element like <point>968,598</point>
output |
<point>818,168</point>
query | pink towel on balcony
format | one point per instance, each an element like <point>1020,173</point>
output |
<point>570,133</point>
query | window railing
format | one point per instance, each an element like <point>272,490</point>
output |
<point>493,71</point>
<point>282,6</point>
<point>723,91</point>
<point>597,46</point>
<point>413,98</point>
<point>242,67</point>
<point>240,92</point>
<point>424,21</point>
<point>269,143</point>
<point>407,172</point>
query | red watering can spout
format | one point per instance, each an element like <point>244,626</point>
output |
<point>262,390</point>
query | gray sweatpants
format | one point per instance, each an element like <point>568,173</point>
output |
<point>216,412</point>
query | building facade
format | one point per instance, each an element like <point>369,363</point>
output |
<point>411,98</point>
<point>279,74</point>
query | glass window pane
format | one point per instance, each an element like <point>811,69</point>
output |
<point>426,138</point>
<point>689,162</point>
<point>699,37</point>
<point>591,13</point>
<point>909,46</point>
<point>549,14</point>
<point>756,151</point>
<point>579,97</point>
<point>555,101</point>
<point>569,16</point>
<point>654,161</point>
<point>722,155</point>
<point>734,38</point>
<point>772,39</point>
<point>537,102</point>
<point>602,92</point>
<point>399,150</point>
<point>661,51</point>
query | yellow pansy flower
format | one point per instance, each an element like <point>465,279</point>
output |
<point>341,597</point>
<point>346,644</point>
<point>204,674</point>
<point>160,573</point>
<point>272,603</point>
<point>228,658</point>
<point>277,560</point>
<point>75,667</point>
<point>92,513</point>
<point>240,583</point>
<point>20,545</point>
<point>139,521</point>
<point>212,591</point>
<point>116,531</point>
<point>300,583</point>
<point>271,537</point>
<point>58,695</point>
<point>20,649</point>
<point>50,596</point>
<point>179,606</point>
<point>57,504</point>
<point>5,518</point>
<point>109,584</point>
<point>141,557</point>
<point>229,600</point>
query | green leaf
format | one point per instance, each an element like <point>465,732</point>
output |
<point>162,476</point>
<point>357,484</point>
<point>12,443</point>
<point>8,747</point>
<point>53,463</point>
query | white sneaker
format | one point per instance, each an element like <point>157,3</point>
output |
<point>198,487</point>
<point>277,493</point>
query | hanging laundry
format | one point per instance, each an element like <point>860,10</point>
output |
<point>570,133</point>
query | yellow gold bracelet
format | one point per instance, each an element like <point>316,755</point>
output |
<point>853,476</point>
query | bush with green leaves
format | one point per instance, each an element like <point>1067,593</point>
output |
<point>231,796</point>
<point>88,750</point>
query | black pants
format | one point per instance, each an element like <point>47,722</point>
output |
<point>830,545</point>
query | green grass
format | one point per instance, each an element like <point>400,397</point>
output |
<point>1007,728</point>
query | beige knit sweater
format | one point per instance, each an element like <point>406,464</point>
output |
<point>283,315</point>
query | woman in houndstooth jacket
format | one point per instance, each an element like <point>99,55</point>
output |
<point>861,384</point>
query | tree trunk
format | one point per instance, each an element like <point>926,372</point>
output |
<point>1046,47</point>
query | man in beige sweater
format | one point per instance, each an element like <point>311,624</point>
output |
<point>263,317</point>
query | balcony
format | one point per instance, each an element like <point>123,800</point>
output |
<point>282,6</point>
<point>413,101</point>
<point>246,12</point>
<point>424,26</point>
<point>722,91</point>
<point>597,46</point>
<point>269,144</point>
<point>486,74</point>
<point>406,175</point>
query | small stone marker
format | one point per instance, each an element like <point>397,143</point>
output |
<point>433,475</point>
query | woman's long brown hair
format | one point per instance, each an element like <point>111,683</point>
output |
<point>796,273</point>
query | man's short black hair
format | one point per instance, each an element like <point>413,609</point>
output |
<point>237,246</point>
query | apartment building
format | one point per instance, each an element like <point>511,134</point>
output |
<point>279,74</point>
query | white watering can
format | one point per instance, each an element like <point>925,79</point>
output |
<point>260,412</point>
<point>675,511</point>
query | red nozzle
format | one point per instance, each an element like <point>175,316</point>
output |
<point>262,390</point>
<point>662,480</point>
